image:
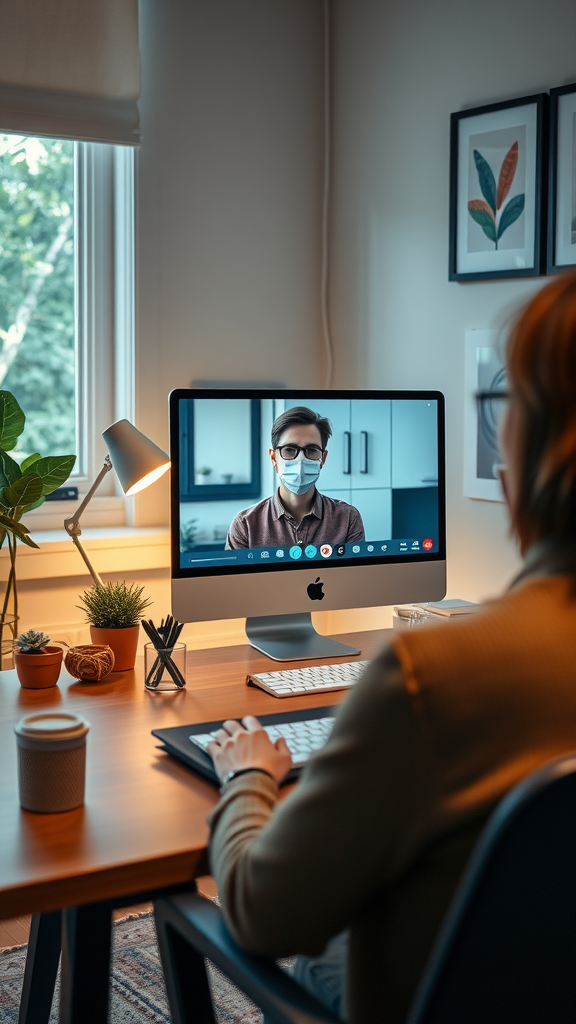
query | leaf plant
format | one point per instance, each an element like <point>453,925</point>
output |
<point>489,213</point>
<point>23,486</point>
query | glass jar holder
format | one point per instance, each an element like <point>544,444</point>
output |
<point>8,635</point>
<point>164,668</point>
<point>419,617</point>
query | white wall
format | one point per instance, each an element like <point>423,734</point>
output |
<point>230,170</point>
<point>401,69</point>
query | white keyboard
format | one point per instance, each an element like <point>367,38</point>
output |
<point>316,679</point>
<point>302,738</point>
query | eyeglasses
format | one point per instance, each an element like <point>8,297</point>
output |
<point>288,452</point>
<point>491,403</point>
<point>491,406</point>
<point>489,396</point>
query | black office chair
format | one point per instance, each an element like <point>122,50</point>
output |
<point>506,953</point>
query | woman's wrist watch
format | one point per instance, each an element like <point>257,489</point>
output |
<point>242,771</point>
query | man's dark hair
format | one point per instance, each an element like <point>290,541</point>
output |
<point>300,414</point>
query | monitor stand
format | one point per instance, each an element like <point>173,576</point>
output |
<point>293,638</point>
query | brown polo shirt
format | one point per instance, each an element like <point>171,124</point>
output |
<point>268,524</point>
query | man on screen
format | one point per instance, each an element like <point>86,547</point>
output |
<point>297,513</point>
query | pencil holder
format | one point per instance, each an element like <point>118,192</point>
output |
<point>164,668</point>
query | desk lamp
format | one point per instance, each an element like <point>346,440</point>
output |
<point>138,462</point>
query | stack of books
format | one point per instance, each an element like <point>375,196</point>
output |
<point>449,610</point>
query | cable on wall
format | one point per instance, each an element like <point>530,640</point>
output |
<point>326,332</point>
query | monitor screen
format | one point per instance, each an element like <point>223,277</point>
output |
<point>275,490</point>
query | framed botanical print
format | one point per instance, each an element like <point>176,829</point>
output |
<point>562,179</point>
<point>496,190</point>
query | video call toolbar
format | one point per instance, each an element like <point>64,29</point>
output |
<point>308,552</point>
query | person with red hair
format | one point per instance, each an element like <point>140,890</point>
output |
<point>370,845</point>
<point>539,434</point>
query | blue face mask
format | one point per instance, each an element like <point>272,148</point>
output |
<point>300,474</point>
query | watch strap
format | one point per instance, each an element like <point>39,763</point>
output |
<point>243,771</point>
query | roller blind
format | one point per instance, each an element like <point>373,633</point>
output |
<point>70,69</point>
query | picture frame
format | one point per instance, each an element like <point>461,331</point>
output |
<point>561,248</point>
<point>497,184</point>
<point>483,371</point>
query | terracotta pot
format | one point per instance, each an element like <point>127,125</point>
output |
<point>124,643</point>
<point>38,671</point>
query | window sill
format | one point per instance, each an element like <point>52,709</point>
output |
<point>112,549</point>
<point>102,511</point>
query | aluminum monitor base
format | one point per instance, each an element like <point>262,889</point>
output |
<point>293,638</point>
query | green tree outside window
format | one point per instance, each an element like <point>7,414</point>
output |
<point>37,304</point>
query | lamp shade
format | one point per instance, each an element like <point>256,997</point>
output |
<point>136,459</point>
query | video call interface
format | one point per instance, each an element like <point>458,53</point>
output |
<point>280,481</point>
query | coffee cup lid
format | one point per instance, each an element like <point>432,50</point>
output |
<point>56,726</point>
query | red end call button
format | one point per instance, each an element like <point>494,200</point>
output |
<point>427,544</point>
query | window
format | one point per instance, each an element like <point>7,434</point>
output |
<point>37,287</point>
<point>67,299</point>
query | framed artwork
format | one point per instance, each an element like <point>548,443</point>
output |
<point>496,186</point>
<point>562,179</point>
<point>483,371</point>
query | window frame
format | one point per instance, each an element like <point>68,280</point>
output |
<point>105,305</point>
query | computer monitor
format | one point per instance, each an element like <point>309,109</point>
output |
<point>367,468</point>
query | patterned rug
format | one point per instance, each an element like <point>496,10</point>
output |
<point>138,993</point>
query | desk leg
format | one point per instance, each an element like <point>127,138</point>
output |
<point>86,947</point>
<point>42,958</point>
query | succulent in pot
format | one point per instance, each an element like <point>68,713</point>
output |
<point>37,661</point>
<point>34,641</point>
<point>114,611</point>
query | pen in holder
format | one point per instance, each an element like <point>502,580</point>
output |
<point>164,657</point>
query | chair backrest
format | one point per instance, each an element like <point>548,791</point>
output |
<point>506,953</point>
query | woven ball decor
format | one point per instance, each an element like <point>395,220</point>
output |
<point>90,662</point>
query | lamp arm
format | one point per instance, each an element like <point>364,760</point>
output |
<point>72,524</point>
<point>95,576</point>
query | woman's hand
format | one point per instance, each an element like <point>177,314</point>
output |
<point>248,746</point>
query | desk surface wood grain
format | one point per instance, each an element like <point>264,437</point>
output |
<point>144,821</point>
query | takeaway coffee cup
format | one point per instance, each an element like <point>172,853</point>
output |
<point>51,761</point>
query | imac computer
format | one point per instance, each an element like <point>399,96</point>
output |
<point>284,502</point>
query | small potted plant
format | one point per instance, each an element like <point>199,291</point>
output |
<point>188,535</point>
<point>37,662</point>
<point>24,486</point>
<point>203,475</point>
<point>114,611</point>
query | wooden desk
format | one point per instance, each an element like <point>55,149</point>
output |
<point>143,826</point>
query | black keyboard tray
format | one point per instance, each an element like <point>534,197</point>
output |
<point>176,739</point>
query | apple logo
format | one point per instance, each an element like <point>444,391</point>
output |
<point>314,590</point>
